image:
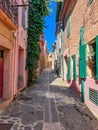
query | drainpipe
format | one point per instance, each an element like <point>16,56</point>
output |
<point>81,43</point>
<point>82,89</point>
<point>15,58</point>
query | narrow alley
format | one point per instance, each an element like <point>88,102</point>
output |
<point>47,105</point>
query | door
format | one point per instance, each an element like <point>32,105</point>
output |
<point>1,74</point>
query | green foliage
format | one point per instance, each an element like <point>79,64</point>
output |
<point>36,14</point>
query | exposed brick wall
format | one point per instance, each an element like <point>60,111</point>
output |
<point>85,15</point>
<point>76,21</point>
<point>91,21</point>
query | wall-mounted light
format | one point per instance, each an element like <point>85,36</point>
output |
<point>27,3</point>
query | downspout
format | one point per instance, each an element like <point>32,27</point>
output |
<point>81,43</point>
<point>14,66</point>
<point>15,57</point>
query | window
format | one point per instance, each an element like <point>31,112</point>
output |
<point>68,27</point>
<point>90,1</point>
<point>91,59</point>
<point>23,17</point>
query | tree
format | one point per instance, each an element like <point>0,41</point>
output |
<point>36,14</point>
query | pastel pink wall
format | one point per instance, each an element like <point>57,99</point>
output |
<point>43,62</point>
<point>20,44</point>
<point>91,83</point>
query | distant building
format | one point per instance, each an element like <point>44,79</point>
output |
<point>43,62</point>
<point>54,55</point>
<point>50,60</point>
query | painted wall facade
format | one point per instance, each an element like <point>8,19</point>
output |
<point>43,62</point>
<point>13,41</point>
<point>20,48</point>
<point>80,14</point>
<point>7,27</point>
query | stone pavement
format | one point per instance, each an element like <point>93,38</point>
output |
<point>47,105</point>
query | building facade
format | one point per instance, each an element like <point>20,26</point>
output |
<point>13,39</point>
<point>8,24</point>
<point>43,62</point>
<point>80,26</point>
<point>54,56</point>
<point>20,72</point>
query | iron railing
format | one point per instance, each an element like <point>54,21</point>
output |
<point>10,8</point>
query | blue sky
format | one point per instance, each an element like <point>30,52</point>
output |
<point>49,32</point>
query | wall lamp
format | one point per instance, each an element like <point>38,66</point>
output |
<point>24,4</point>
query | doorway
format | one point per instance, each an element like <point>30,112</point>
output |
<point>1,74</point>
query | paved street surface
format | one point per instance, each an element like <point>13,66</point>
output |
<point>47,105</point>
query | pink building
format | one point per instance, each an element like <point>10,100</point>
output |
<point>13,37</point>
<point>43,62</point>
<point>20,74</point>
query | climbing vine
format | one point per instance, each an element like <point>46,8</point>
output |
<point>36,13</point>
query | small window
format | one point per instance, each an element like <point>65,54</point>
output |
<point>90,1</point>
<point>91,59</point>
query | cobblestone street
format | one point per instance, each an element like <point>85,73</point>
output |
<point>47,105</point>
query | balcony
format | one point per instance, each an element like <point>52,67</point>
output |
<point>9,12</point>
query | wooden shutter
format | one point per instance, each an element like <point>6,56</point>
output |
<point>68,27</point>
<point>97,57</point>
<point>74,66</point>
<point>90,1</point>
<point>68,69</point>
<point>82,58</point>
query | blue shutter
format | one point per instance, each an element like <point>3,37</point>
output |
<point>97,57</point>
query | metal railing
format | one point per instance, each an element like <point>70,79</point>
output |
<point>10,8</point>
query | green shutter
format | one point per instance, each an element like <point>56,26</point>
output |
<point>90,1</point>
<point>82,58</point>
<point>97,57</point>
<point>82,35</point>
<point>68,69</point>
<point>68,27</point>
<point>74,66</point>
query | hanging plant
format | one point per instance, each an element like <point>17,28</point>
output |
<point>36,14</point>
